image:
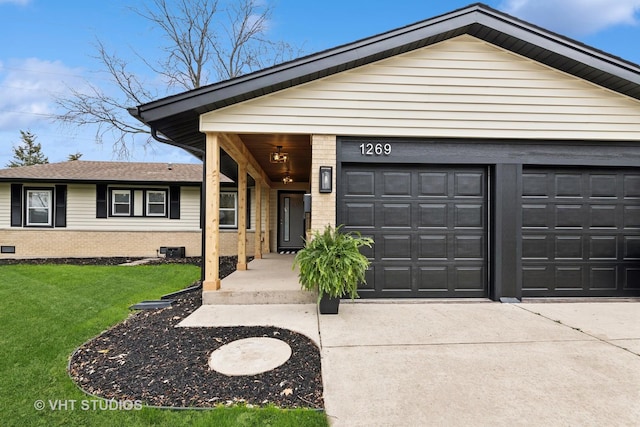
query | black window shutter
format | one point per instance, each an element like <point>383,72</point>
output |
<point>16,205</point>
<point>61,206</point>
<point>101,200</point>
<point>174,202</point>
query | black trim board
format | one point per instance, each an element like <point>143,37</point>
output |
<point>16,205</point>
<point>483,151</point>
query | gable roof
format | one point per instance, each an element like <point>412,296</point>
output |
<point>93,171</point>
<point>177,116</point>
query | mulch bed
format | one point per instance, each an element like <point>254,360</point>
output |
<point>147,358</point>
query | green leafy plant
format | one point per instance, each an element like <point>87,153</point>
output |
<point>331,262</point>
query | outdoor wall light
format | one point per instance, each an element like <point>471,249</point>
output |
<point>326,179</point>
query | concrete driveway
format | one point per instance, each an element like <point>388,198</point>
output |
<point>477,364</point>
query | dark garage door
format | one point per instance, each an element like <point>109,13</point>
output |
<point>429,224</point>
<point>580,232</point>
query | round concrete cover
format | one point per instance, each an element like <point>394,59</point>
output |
<point>250,356</point>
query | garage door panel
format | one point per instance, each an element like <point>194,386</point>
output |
<point>536,278</point>
<point>594,228</point>
<point>631,248</point>
<point>434,278</point>
<point>395,246</point>
<point>603,216</point>
<point>568,185</point>
<point>359,183</point>
<point>469,247</point>
<point>535,247</point>
<point>603,185</point>
<point>360,215</point>
<point>569,277</point>
<point>569,216</point>
<point>603,248</point>
<point>631,216</point>
<point>632,276</point>
<point>469,278</point>
<point>603,278</point>
<point>397,278</point>
<point>396,215</point>
<point>568,247</point>
<point>469,216</point>
<point>430,228</point>
<point>631,186</point>
<point>535,216</point>
<point>433,215</point>
<point>469,184</point>
<point>396,184</point>
<point>433,247</point>
<point>432,184</point>
<point>535,185</point>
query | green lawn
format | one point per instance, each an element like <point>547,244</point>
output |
<point>47,311</point>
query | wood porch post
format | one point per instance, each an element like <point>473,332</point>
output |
<point>242,215</point>
<point>258,233</point>
<point>212,220</point>
<point>267,220</point>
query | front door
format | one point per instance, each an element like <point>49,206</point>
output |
<point>290,221</point>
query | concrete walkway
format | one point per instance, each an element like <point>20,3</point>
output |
<point>466,364</point>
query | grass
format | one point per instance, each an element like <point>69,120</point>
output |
<point>49,310</point>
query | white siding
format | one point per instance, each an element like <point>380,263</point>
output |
<point>462,87</point>
<point>5,205</point>
<point>81,213</point>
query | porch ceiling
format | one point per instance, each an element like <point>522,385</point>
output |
<point>298,147</point>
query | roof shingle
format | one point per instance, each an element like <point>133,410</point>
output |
<point>80,170</point>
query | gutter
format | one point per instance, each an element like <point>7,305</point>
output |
<point>135,112</point>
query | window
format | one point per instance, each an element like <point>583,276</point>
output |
<point>120,202</point>
<point>156,203</point>
<point>39,207</point>
<point>138,202</point>
<point>228,210</point>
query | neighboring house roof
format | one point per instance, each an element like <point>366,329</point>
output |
<point>177,117</point>
<point>94,171</point>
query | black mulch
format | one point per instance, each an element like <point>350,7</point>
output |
<point>147,358</point>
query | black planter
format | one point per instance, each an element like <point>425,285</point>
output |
<point>329,305</point>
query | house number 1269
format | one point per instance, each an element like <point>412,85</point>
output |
<point>370,149</point>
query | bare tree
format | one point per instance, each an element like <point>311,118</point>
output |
<point>203,42</point>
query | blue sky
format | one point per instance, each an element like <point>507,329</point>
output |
<point>47,46</point>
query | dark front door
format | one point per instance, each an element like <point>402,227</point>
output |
<point>290,221</point>
<point>429,224</point>
<point>580,232</point>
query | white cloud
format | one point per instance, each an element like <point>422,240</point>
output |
<point>574,17</point>
<point>18,2</point>
<point>27,90</point>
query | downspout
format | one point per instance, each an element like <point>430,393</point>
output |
<point>154,135</point>
<point>135,112</point>
<point>193,150</point>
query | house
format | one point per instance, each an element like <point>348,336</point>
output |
<point>486,156</point>
<point>103,209</point>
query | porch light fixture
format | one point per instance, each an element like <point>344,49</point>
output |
<point>326,179</point>
<point>279,156</point>
<point>287,179</point>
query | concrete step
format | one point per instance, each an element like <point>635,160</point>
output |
<point>229,297</point>
<point>268,280</point>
